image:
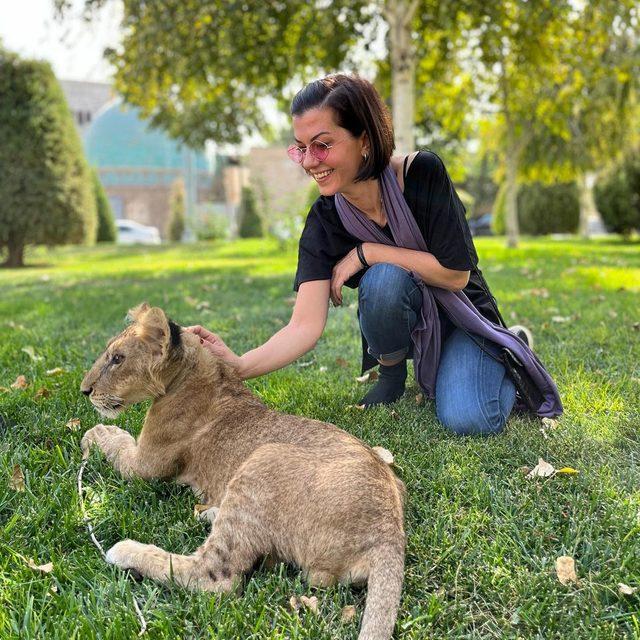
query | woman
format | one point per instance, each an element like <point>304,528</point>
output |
<point>344,141</point>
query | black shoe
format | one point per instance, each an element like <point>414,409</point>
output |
<point>390,385</point>
<point>523,333</point>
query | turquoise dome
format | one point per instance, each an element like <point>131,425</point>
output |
<point>119,137</point>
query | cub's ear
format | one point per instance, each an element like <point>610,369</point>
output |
<point>153,327</point>
<point>135,314</point>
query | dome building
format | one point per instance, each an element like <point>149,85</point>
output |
<point>138,165</point>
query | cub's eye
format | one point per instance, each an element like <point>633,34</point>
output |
<point>117,358</point>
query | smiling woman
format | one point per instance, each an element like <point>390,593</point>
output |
<point>395,228</point>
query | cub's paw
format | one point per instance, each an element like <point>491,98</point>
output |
<point>209,514</point>
<point>98,435</point>
<point>126,554</point>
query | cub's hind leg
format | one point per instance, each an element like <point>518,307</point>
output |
<point>236,541</point>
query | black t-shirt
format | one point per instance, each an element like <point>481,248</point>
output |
<point>440,216</point>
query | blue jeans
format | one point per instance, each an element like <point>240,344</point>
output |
<point>473,392</point>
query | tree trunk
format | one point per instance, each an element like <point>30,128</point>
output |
<point>511,201</point>
<point>16,255</point>
<point>399,15</point>
<point>589,217</point>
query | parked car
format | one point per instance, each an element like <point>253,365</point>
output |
<point>131,232</point>
<point>481,226</point>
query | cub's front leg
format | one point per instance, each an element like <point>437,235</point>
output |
<point>118,446</point>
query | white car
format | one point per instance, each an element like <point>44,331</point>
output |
<point>131,232</point>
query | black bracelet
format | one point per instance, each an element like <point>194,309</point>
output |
<point>361,257</point>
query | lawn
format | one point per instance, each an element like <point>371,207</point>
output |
<point>482,538</point>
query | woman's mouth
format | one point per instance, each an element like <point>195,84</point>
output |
<point>322,176</point>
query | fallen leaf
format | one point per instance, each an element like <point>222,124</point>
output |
<point>359,407</point>
<point>541,470</point>
<point>566,570</point>
<point>4,389</point>
<point>17,479</point>
<point>549,423</point>
<point>42,392</point>
<point>560,319</point>
<point>73,424</point>
<point>613,314</point>
<point>625,589</point>
<point>322,369</point>
<point>20,383</point>
<point>370,376</point>
<point>341,362</point>
<point>568,470</point>
<point>201,306</point>
<point>30,351</point>
<point>419,399</point>
<point>55,372</point>
<point>394,414</point>
<point>53,589</point>
<point>384,454</point>
<point>636,326</point>
<point>44,568</point>
<point>199,508</point>
<point>294,603</point>
<point>525,470</point>
<point>540,293</point>
<point>348,613</point>
<point>310,603</point>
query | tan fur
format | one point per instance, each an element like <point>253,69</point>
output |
<point>295,489</point>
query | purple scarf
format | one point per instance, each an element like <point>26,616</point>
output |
<point>426,334</point>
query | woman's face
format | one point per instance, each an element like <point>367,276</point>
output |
<point>336,173</point>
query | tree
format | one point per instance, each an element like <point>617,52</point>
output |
<point>107,230</point>
<point>46,194</point>
<point>250,223</point>
<point>177,222</point>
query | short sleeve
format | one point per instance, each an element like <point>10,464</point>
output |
<point>313,261</point>
<point>440,213</point>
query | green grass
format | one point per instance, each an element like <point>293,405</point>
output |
<point>482,539</point>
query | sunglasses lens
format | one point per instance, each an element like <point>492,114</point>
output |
<point>295,154</point>
<point>319,151</point>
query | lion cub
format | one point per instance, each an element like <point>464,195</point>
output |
<point>300,490</point>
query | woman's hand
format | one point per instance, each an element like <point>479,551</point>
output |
<point>344,269</point>
<point>215,344</point>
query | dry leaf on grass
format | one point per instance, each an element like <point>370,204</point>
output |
<point>568,471</point>
<point>358,407</point>
<point>341,362</point>
<point>73,424</point>
<point>4,389</point>
<point>31,352</point>
<point>348,613</point>
<point>419,399</point>
<point>384,454</point>
<point>566,570</point>
<point>370,376</point>
<point>20,383</point>
<point>294,603</point>
<point>44,568</point>
<point>42,392</point>
<point>322,369</point>
<point>542,470</point>
<point>636,326</point>
<point>17,479</point>
<point>55,372</point>
<point>560,319</point>
<point>202,306</point>
<point>625,589</point>
<point>310,603</point>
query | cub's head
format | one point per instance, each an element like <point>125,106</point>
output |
<point>131,368</point>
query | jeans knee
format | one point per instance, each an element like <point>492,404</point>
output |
<point>470,423</point>
<point>384,286</point>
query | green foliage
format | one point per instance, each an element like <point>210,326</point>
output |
<point>210,224</point>
<point>107,230</point>
<point>251,224</point>
<point>544,209</point>
<point>618,196</point>
<point>46,191</point>
<point>177,222</point>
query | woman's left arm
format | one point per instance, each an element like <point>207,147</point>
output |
<point>422,263</point>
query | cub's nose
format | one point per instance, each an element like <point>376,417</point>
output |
<point>86,390</point>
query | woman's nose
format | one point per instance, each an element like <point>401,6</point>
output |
<point>309,161</point>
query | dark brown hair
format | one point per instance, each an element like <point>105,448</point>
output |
<point>358,107</point>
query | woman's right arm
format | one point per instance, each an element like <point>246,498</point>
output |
<point>299,336</point>
<point>305,327</point>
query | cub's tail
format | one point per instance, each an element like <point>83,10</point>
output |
<point>383,594</point>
